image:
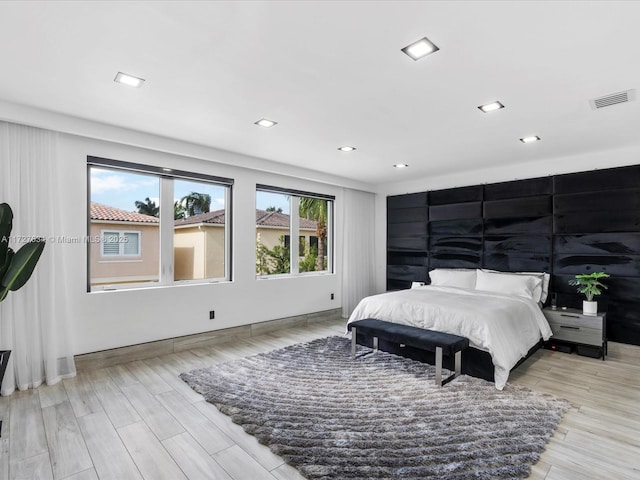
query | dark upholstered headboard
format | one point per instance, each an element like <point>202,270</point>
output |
<point>562,224</point>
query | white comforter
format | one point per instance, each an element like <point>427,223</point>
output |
<point>505,326</point>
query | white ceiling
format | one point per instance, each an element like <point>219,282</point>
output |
<point>331,73</point>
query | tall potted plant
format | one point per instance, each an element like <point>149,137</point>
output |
<point>15,266</point>
<point>590,285</point>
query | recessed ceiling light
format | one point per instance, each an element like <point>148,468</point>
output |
<point>266,123</point>
<point>421,48</point>
<point>401,165</point>
<point>490,107</point>
<point>531,139</point>
<point>164,169</point>
<point>346,148</point>
<point>129,80</point>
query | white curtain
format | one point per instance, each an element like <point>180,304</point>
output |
<point>34,320</point>
<point>357,230</point>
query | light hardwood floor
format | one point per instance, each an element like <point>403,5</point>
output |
<point>140,421</point>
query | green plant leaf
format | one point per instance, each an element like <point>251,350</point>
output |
<point>22,265</point>
<point>589,284</point>
<point>7,262</point>
<point>6,224</point>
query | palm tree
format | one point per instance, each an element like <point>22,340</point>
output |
<point>196,203</point>
<point>148,207</point>
<point>316,209</point>
<point>178,210</point>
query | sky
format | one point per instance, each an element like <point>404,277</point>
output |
<point>122,189</point>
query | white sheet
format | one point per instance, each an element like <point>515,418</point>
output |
<point>505,326</point>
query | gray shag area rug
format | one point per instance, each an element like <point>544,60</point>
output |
<point>379,416</point>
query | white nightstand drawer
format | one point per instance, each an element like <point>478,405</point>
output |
<point>577,334</point>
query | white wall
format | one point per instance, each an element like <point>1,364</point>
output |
<point>518,171</point>
<point>102,320</point>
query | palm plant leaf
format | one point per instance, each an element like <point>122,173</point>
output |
<point>6,224</point>
<point>22,265</point>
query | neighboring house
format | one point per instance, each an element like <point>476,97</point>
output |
<point>271,226</point>
<point>129,248</point>
<point>124,246</point>
<point>198,246</point>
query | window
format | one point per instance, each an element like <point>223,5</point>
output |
<point>151,226</point>
<point>200,233</point>
<point>290,221</point>
<point>273,233</point>
<point>120,243</point>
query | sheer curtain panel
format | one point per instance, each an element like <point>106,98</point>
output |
<point>358,253</point>
<point>34,320</point>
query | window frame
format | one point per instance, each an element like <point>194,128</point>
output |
<point>294,231</point>
<point>166,264</point>
<point>121,234</point>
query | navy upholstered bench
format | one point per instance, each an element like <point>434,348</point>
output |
<point>438,342</point>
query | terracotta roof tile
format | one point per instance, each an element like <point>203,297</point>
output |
<point>107,213</point>
<point>276,219</point>
<point>217,217</point>
<point>263,218</point>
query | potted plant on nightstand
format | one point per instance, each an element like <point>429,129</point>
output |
<point>15,268</point>
<point>589,284</point>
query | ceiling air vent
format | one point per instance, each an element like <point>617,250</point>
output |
<point>613,99</point>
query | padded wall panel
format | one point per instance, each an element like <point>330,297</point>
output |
<point>519,188</point>
<point>397,284</point>
<point>455,211</point>
<point>623,321</point>
<point>407,236</point>
<point>466,226</point>
<point>612,221</point>
<point>407,240</point>
<point>409,200</point>
<point>407,215</point>
<point>527,207</point>
<point>598,180</point>
<point>408,273</point>
<point>606,201</point>
<point>533,226</point>
<point>614,265</point>
<point>407,258</point>
<point>517,262</point>
<point>455,260</point>
<point>518,244</point>
<point>598,244</point>
<point>565,224</point>
<point>626,289</point>
<point>452,244</point>
<point>456,195</point>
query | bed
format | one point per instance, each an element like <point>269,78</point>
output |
<point>498,312</point>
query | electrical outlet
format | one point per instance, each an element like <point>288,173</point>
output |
<point>212,314</point>
<point>332,296</point>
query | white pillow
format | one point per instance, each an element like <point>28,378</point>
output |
<point>540,292</point>
<point>509,284</point>
<point>545,283</point>
<point>454,277</point>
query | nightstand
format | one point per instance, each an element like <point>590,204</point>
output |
<point>571,326</point>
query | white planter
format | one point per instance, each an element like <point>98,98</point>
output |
<point>589,308</point>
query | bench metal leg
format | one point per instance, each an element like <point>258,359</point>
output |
<point>375,344</point>
<point>353,342</point>
<point>458,367</point>
<point>439,366</point>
